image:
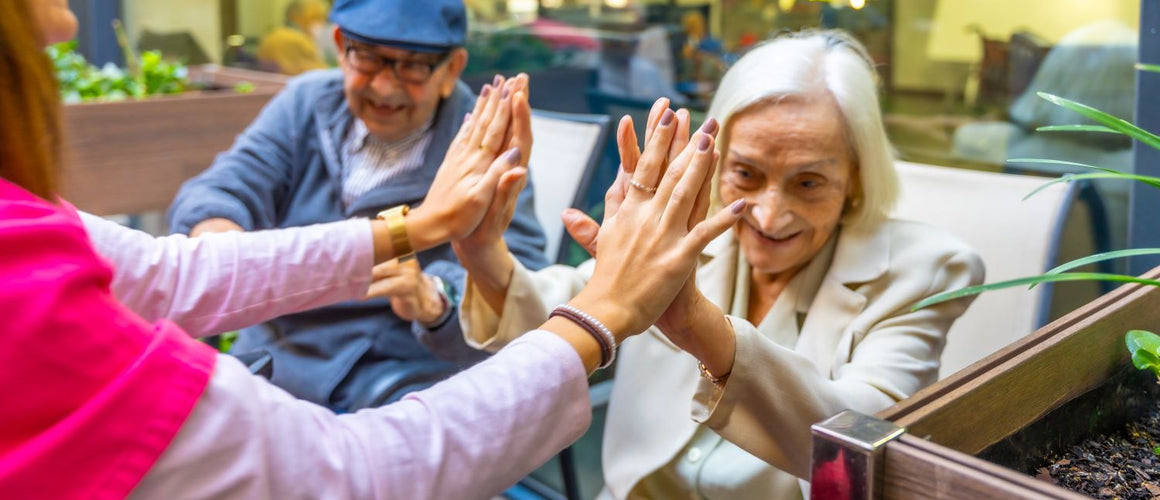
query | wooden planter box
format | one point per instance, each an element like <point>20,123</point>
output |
<point>132,156</point>
<point>997,401</point>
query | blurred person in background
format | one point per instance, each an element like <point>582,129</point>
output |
<point>294,48</point>
<point>629,66</point>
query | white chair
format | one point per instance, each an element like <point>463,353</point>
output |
<point>566,151</point>
<point>1014,237</point>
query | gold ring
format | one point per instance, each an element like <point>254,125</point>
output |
<point>642,187</point>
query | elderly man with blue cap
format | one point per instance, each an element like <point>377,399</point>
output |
<point>364,140</point>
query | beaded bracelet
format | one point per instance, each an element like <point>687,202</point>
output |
<point>709,376</point>
<point>594,327</point>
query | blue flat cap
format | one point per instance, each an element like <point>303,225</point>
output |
<point>418,25</point>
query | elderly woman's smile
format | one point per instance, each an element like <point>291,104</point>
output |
<point>790,160</point>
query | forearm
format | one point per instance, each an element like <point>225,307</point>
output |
<point>703,331</point>
<point>533,398</point>
<point>490,269</point>
<point>530,297</point>
<point>220,282</point>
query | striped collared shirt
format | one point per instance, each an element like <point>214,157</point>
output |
<point>369,162</point>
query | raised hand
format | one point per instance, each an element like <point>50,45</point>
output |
<point>582,228</point>
<point>481,153</point>
<point>647,249</point>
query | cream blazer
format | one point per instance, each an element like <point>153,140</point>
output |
<point>859,347</point>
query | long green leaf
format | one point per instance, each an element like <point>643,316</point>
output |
<point>1106,175</point>
<point>1077,128</point>
<point>1148,67</point>
<point>1112,122</point>
<point>1100,257</point>
<point>977,289</point>
<point>1045,161</point>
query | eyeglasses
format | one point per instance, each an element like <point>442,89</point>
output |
<point>367,62</point>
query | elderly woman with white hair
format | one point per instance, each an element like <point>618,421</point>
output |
<point>801,310</point>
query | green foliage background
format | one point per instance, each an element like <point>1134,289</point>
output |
<point>81,81</point>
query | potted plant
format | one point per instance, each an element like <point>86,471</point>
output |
<point>133,135</point>
<point>1063,406</point>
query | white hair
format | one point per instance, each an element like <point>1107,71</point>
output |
<point>804,64</point>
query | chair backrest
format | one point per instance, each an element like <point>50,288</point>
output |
<point>566,152</point>
<point>1014,237</point>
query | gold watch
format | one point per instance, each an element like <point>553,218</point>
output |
<point>397,228</point>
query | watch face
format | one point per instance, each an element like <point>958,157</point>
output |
<point>445,288</point>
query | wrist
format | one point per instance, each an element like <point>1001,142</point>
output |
<point>488,264</point>
<point>427,228</point>
<point>613,315</point>
<point>438,304</point>
<point>716,345</point>
<point>586,346</point>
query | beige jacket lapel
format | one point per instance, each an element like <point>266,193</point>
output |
<point>828,334</point>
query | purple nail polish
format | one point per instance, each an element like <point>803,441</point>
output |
<point>496,81</point>
<point>703,144</point>
<point>737,206</point>
<point>486,91</point>
<point>667,118</point>
<point>505,93</point>
<point>710,126</point>
<point>513,155</point>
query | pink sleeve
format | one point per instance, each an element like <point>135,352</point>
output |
<point>225,281</point>
<point>471,436</point>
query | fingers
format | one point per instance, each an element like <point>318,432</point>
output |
<point>689,184</point>
<point>654,116</point>
<point>390,287</point>
<point>705,197</point>
<point>715,226</point>
<point>615,194</point>
<point>511,184</point>
<point>582,228</point>
<point>467,130</point>
<point>701,206</point>
<point>681,137</point>
<point>652,161</point>
<point>626,144</point>
<point>677,167</point>
<point>385,270</point>
<point>483,117</point>
<point>521,129</point>
<point>497,129</point>
<point>504,163</point>
<point>392,278</point>
<point>503,205</point>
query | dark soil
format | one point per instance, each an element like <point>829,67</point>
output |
<point>1119,464</point>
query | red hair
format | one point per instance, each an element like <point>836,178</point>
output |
<point>30,138</point>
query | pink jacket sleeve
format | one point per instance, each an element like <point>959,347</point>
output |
<point>225,281</point>
<point>469,437</point>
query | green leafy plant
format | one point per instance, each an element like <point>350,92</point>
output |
<point>1145,349</point>
<point>145,76</point>
<point>1144,346</point>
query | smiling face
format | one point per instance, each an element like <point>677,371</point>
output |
<point>790,160</point>
<point>390,108</point>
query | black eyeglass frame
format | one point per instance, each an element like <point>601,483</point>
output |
<point>381,62</point>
